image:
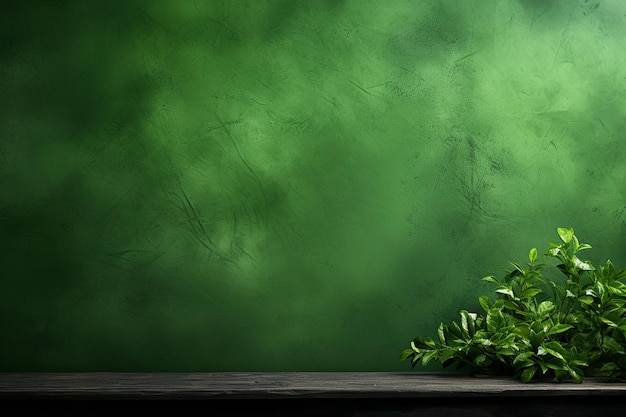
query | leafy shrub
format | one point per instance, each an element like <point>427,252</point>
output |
<point>558,317</point>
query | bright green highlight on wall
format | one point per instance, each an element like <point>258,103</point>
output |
<point>291,185</point>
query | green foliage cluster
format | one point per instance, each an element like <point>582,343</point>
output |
<point>557,318</point>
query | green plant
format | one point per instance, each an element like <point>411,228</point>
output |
<point>556,317</point>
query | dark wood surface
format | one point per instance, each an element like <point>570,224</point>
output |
<point>268,385</point>
<point>302,394</point>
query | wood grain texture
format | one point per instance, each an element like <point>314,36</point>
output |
<point>273,385</point>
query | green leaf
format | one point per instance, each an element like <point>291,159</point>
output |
<point>554,349</point>
<point>423,342</point>
<point>505,291</point>
<point>441,332</point>
<point>484,302</point>
<point>559,328</point>
<point>508,351</point>
<point>510,305</point>
<point>464,325</point>
<point>608,367</point>
<point>585,266</point>
<point>522,329</point>
<point>495,320</point>
<point>586,299</point>
<point>622,324</point>
<point>522,357</point>
<point>555,366</point>
<point>608,322</point>
<point>532,255</point>
<point>428,356</point>
<point>445,356</point>
<point>576,374</point>
<point>415,360</point>
<point>491,278</point>
<point>565,234</point>
<point>530,292</point>
<point>406,354</point>
<point>517,268</point>
<point>455,330</point>
<point>617,288</point>
<point>483,341</point>
<point>528,374</point>
<point>480,359</point>
<point>553,251</point>
<point>545,307</point>
<point>468,322</point>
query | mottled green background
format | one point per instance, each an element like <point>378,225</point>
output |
<point>291,185</point>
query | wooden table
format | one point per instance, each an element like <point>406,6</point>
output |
<point>308,394</point>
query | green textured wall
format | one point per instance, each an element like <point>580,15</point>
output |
<point>291,185</point>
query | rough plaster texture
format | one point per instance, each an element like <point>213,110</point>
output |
<point>291,185</point>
